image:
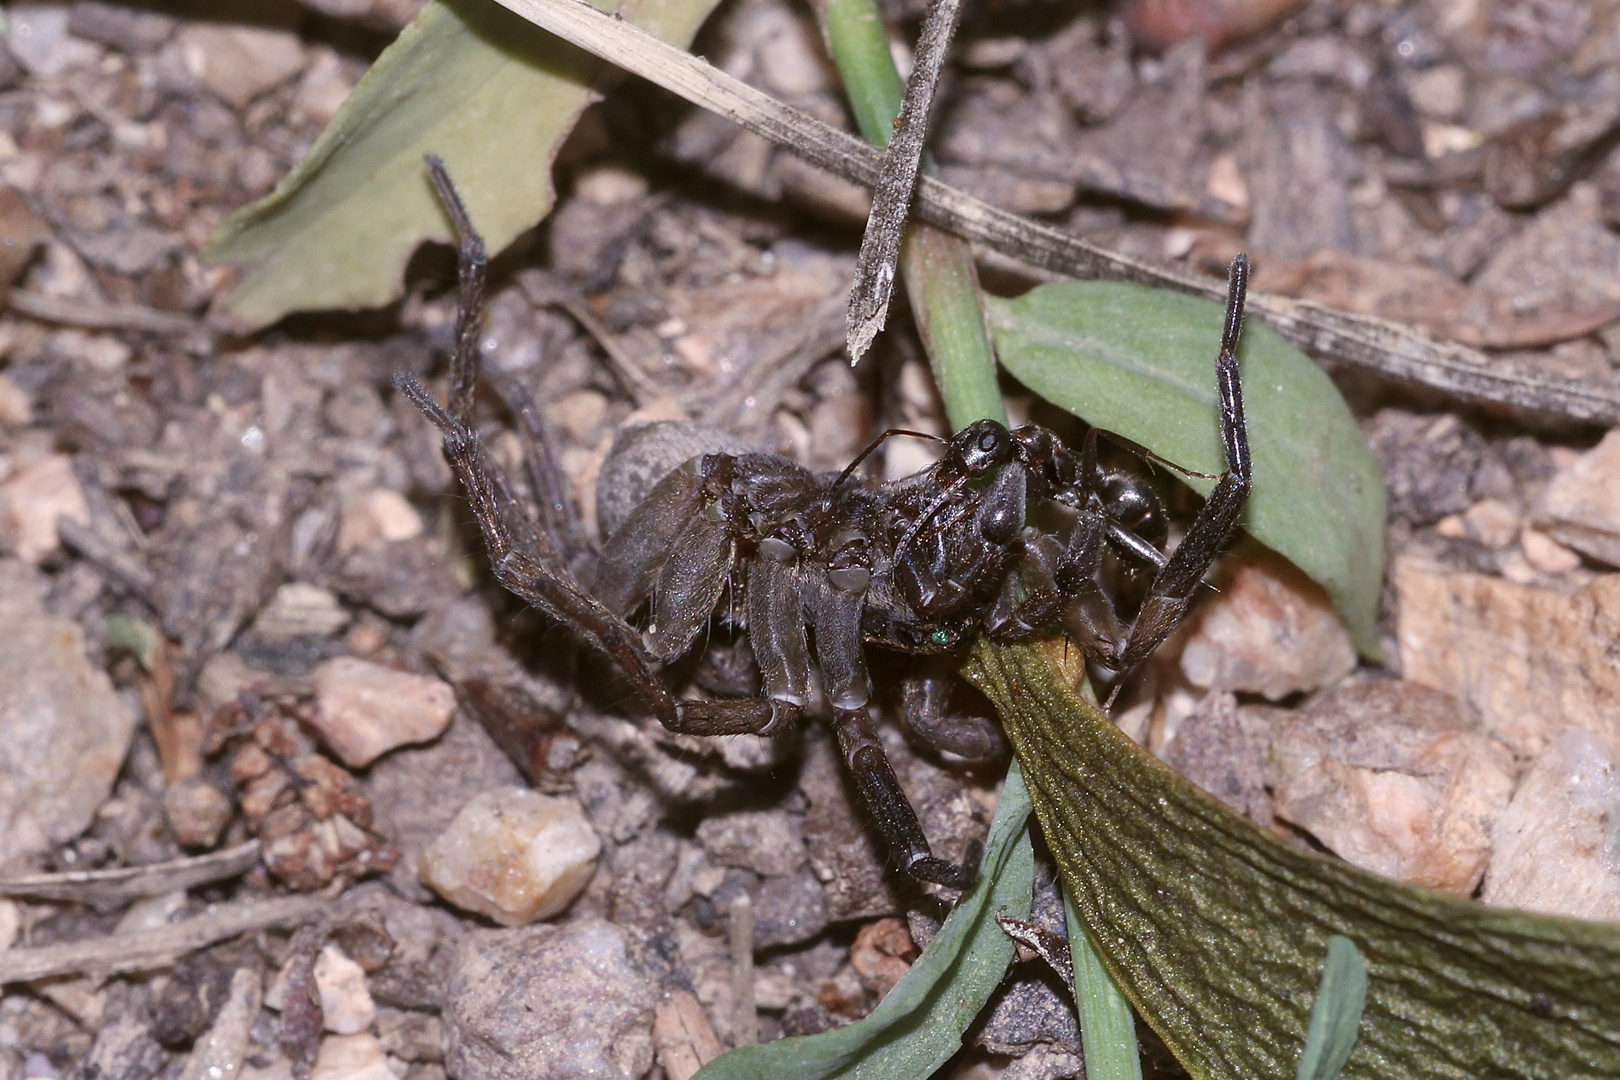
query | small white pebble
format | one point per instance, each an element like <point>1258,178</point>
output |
<point>377,516</point>
<point>351,1057</point>
<point>10,923</point>
<point>1452,527</point>
<point>1491,523</point>
<point>1546,554</point>
<point>363,710</point>
<point>610,185</point>
<point>33,500</point>
<point>514,855</point>
<point>345,1000</point>
<point>299,608</point>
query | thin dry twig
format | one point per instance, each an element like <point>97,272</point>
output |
<point>154,948</point>
<point>779,367</point>
<point>1393,350</point>
<point>96,887</point>
<point>891,200</point>
<point>127,568</point>
<point>95,315</point>
<point>746,1024</point>
<point>636,382</point>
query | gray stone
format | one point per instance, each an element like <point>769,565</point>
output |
<point>1029,1011</point>
<point>764,841</point>
<point>1556,849</point>
<point>124,1050</point>
<point>120,27</point>
<point>547,1003</point>
<point>63,729</point>
<point>1213,749</point>
<point>789,910</point>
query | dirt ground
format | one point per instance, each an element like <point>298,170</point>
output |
<point>256,653</point>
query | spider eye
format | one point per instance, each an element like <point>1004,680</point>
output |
<point>940,637</point>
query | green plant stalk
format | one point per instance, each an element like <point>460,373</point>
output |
<point>940,278</point>
<point>943,287</point>
<point>1107,1027</point>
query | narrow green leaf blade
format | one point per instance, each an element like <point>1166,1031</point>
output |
<point>1336,1013</point>
<point>468,80</point>
<point>1107,1025</point>
<point>919,1025</point>
<point>1141,362</point>
<point>1215,929</point>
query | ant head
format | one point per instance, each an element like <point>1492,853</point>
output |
<point>981,446</point>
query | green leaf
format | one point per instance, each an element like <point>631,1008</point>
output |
<point>1107,1025</point>
<point>919,1025</point>
<point>467,80</point>
<point>1215,929</point>
<point>1336,1015</point>
<point>1141,362</point>
<point>139,638</point>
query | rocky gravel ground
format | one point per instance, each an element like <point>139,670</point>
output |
<point>288,784</point>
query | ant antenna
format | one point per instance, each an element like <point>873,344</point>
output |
<point>849,470</point>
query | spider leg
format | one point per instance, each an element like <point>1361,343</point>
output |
<point>972,738</point>
<point>557,514</point>
<point>840,652</point>
<point>525,562</point>
<point>777,633</point>
<point>523,557</point>
<point>1172,589</point>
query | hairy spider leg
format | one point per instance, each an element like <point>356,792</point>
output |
<point>526,562</point>
<point>522,557</point>
<point>925,700</point>
<point>841,654</point>
<point>545,477</point>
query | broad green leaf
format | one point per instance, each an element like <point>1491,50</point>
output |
<point>1336,1013</point>
<point>1141,362</point>
<point>919,1025</point>
<point>1216,930</point>
<point>467,80</point>
<point>1107,1025</point>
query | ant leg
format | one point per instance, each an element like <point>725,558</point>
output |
<point>972,738</point>
<point>997,522</point>
<point>843,673</point>
<point>1172,589</point>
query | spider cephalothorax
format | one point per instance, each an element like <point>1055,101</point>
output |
<point>829,565</point>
